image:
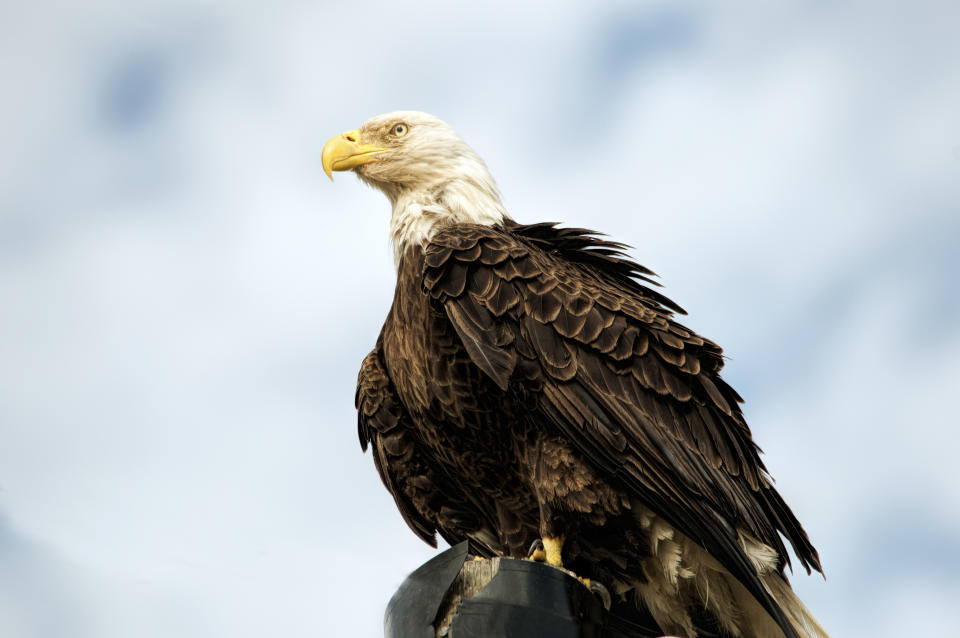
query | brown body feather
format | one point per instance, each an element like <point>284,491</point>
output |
<point>527,383</point>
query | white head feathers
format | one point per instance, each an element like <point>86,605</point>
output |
<point>431,176</point>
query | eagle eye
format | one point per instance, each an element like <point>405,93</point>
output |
<point>399,130</point>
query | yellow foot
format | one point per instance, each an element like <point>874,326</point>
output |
<point>553,546</point>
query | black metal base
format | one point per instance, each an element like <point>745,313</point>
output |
<point>524,598</point>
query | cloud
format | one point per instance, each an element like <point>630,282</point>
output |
<point>192,298</point>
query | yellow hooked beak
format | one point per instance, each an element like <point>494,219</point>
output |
<point>345,151</point>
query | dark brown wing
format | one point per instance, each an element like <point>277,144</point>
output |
<point>428,501</point>
<point>562,313</point>
<point>380,422</point>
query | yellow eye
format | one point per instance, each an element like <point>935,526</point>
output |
<point>399,130</point>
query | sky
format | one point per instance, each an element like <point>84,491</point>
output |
<point>186,298</point>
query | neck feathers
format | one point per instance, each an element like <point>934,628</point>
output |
<point>419,214</point>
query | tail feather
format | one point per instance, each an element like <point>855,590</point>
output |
<point>681,575</point>
<point>798,614</point>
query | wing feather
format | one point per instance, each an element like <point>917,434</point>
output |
<point>380,425</point>
<point>427,499</point>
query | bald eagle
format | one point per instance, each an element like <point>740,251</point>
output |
<point>530,388</point>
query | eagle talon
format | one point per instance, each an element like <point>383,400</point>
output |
<point>540,549</point>
<point>536,552</point>
<point>598,590</point>
<point>547,550</point>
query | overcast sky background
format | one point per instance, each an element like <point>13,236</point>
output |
<point>186,298</point>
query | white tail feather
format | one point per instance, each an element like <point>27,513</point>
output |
<point>681,574</point>
<point>798,614</point>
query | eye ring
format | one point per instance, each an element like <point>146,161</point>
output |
<point>399,130</point>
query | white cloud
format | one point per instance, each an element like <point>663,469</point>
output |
<point>177,363</point>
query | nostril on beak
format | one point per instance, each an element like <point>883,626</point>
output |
<point>351,138</point>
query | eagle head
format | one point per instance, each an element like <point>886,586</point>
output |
<point>430,175</point>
